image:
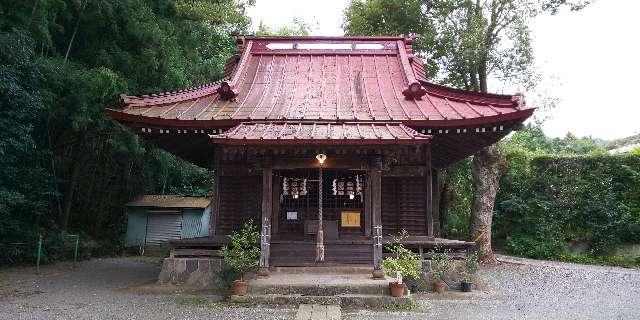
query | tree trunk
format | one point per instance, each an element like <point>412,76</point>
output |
<point>75,31</point>
<point>68,196</point>
<point>487,167</point>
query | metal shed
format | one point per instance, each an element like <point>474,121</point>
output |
<point>156,219</point>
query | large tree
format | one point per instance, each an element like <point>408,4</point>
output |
<point>466,43</point>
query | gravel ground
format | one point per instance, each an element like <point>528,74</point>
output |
<point>517,289</point>
<point>530,289</point>
<point>101,289</point>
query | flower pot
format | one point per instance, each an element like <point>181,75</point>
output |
<point>240,287</point>
<point>465,286</point>
<point>439,286</point>
<point>397,289</point>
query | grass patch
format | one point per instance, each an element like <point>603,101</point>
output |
<point>615,261</point>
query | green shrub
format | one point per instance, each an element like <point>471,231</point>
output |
<point>404,262</point>
<point>469,267</point>
<point>243,253</point>
<point>441,264</point>
<point>530,247</point>
<point>547,201</point>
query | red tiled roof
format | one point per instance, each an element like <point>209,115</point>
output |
<point>320,133</point>
<point>306,79</point>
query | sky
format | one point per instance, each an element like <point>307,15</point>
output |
<point>589,60</point>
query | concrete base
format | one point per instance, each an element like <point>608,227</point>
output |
<point>196,272</point>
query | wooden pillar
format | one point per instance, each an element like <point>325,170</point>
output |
<point>265,234</point>
<point>429,191</point>
<point>215,207</point>
<point>275,205</point>
<point>436,203</point>
<point>375,176</point>
<point>367,206</point>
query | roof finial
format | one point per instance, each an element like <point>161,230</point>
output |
<point>225,91</point>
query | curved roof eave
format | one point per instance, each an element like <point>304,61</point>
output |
<point>520,115</point>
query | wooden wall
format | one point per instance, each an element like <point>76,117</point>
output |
<point>240,199</point>
<point>403,205</point>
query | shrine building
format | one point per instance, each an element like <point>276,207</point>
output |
<point>331,142</point>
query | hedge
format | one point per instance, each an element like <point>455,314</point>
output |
<point>546,202</point>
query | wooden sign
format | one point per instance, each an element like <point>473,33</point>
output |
<point>350,219</point>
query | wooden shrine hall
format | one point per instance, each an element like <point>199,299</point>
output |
<point>331,142</point>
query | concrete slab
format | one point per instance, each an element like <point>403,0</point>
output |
<point>318,312</point>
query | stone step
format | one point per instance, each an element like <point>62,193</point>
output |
<point>319,283</point>
<point>346,300</point>
<point>338,269</point>
<point>320,290</point>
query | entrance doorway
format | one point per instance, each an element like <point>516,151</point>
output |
<point>343,204</point>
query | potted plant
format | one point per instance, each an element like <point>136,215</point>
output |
<point>468,272</point>
<point>242,254</point>
<point>441,265</point>
<point>403,262</point>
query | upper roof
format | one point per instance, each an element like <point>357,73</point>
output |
<point>169,201</point>
<point>341,79</point>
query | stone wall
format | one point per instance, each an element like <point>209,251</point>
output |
<point>194,272</point>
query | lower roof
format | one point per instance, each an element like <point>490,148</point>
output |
<point>320,134</point>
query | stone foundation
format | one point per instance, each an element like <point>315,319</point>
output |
<point>194,272</point>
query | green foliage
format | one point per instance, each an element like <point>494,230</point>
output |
<point>578,194</point>
<point>555,191</point>
<point>392,18</point>
<point>298,27</point>
<point>226,276</point>
<point>243,253</point>
<point>536,246</point>
<point>24,185</point>
<point>65,165</point>
<point>458,196</point>
<point>578,198</point>
<point>403,261</point>
<point>469,268</point>
<point>441,264</point>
